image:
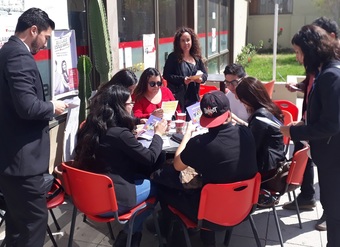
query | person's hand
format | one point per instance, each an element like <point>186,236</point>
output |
<point>187,80</point>
<point>143,120</point>
<point>190,128</point>
<point>59,106</point>
<point>160,127</point>
<point>292,87</point>
<point>285,130</point>
<point>158,113</point>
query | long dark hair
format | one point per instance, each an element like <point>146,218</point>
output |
<point>106,111</point>
<point>195,50</point>
<point>252,92</point>
<point>123,77</point>
<point>317,47</point>
<point>142,85</point>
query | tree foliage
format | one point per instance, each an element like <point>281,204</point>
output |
<point>331,8</point>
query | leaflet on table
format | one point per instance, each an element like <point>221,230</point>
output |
<point>169,108</point>
<point>149,128</point>
<point>195,113</point>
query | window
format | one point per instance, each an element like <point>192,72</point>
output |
<point>266,7</point>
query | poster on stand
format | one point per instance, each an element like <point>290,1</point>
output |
<point>149,49</point>
<point>64,71</point>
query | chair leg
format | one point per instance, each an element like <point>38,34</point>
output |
<point>110,230</point>
<point>51,236</point>
<point>227,237</point>
<point>253,227</point>
<point>158,230</point>
<point>278,226</point>
<point>186,235</point>
<point>73,224</point>
<point>289,196</point>
<point>54,219</point>
<point>297,209</point>
<point>3,243</point>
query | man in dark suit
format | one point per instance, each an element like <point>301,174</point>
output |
<point>24,130</point>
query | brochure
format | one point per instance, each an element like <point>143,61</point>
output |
<point>169,108</point>
<point>195,113</point>
<point>149,128</point>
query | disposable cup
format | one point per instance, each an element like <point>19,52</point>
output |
<point>179,126</point>
<point>181,116</point>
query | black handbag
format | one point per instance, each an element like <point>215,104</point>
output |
<point>177,137</point>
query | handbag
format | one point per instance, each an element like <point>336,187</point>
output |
<point>277,182</point>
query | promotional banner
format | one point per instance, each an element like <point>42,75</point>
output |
<point>64,64</point>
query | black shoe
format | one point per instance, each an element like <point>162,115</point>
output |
<point>267,201</point>
<point>303,204</point>
<point>321,223</point>
<point>163,225</point>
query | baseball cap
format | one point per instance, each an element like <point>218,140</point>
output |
<point>215,106</point>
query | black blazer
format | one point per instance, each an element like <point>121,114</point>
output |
<point>175,72</point>
<point>322,128</point>
<point>25,115</point>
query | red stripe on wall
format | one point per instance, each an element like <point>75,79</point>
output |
<point>46,54</point>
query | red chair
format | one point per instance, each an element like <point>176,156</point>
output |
<point>54,202</point>
<point>288,118</point>
<point>218,208</point>
<point>293,181</point>
<point>269,87</point>
<point>94,194</point>
<point>288,106</point>
<point>205,89</point>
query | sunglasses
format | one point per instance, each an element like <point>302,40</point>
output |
<point>154,83</point>
<point>233,82</point>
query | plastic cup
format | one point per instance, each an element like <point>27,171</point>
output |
<point>169,124</point>
<point>179,126</point>
<point>181,116</point>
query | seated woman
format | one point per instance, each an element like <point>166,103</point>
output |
<point>268,139</point>
<point>149,95</point>
<point>106,145</point>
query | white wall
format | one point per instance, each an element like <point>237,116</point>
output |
<point>240,26</point>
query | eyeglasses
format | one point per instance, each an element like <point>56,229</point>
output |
<point>130,103</point>
<point>154,83</point>
<point>233,82</point>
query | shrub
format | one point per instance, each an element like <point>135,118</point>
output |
<point>247,52</point>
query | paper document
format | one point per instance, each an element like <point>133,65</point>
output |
<point>195,113</point>
<point>169,108</point>
<point>149,128</point>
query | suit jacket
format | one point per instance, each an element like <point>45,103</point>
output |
<point>175,72</point>
<point>322,127</point>
<point>25,115</point>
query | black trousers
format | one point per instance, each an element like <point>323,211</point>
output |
<point>307,186</point>
<point>329,182</point>
<point>26,215</point>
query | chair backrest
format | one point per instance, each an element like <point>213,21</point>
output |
<point>91,193</point>
<point>288,106</point>
<point>298,166</point>
<point>288,118</point>
<point>229,204</point>
<point>269,87</point>
<point>206,88</point>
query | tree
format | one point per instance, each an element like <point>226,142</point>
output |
<point>330,8</point>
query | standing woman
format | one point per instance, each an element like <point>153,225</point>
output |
<point>106,145</point>
<point>321,55</point>
<point>268,139</point>
<point>182,64</point>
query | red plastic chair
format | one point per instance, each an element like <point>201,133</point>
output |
<point>269,87</point>
<point>94,194</point>
<point>288,118</point>
<point>293,181</point>
<point>288,106</point>
<point>205,89</point>
<point>218,208</point>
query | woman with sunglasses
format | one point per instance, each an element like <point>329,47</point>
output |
<point>182,65</point>
<point>106,145</point>
<point>149,95</point>
<point>269,140</point>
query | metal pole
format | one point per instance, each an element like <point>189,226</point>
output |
<point>276,17</point>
